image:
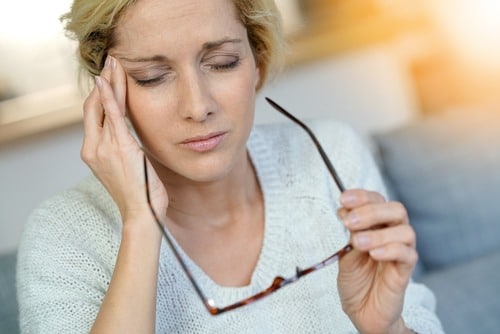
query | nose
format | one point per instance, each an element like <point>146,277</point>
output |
<point>195,99</point>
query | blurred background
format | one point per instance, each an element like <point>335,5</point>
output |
<point>376,64</point>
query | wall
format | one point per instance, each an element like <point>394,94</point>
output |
<point>369,89</point>
<point>31,169</point>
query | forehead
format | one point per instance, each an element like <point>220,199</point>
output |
<point>177,23</point>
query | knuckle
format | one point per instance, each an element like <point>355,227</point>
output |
<point>86,155</point>
<point>376,196</point>
<point>406,235</point>
<point>416,257</point>
<point>399,210</point>
<point>412,256</point>
<point>105,98</point>
<point>412,236</point>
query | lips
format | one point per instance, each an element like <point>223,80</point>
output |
<point>204,143</point>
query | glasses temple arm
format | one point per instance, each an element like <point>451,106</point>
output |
<point>325,158</point>
<point>170,242</point>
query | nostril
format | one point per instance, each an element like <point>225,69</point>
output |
<point>195,98</point>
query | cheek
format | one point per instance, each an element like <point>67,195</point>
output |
<point>146,110</point>
<point>134,107</point>
<point>140,100</point>
<point>241,89</point>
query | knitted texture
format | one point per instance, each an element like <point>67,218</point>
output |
<point>69,248</point>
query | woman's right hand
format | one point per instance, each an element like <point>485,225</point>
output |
<point>113,154</point>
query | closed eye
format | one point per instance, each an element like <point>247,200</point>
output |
<point>224,66</point>
<point>151,82</point>
<point>219,66</point>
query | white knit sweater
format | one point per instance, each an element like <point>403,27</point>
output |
<point>69,247</point>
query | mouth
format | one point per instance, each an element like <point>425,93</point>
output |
<point>204,143</point>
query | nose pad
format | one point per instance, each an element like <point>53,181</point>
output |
<point>196,101</point>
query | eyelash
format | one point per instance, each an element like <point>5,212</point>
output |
<point>151,82</point>
<point>224,67</point>
<point>161,78</point>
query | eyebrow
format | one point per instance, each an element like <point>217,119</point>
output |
<point>206,47</point>
<point>219,43</point>
<point>156,58</point>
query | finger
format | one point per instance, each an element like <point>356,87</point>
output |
<point>374,215</point>
<point>107,98</point>
<point>113,72</point>
<point>371,239</point>
<point>92,113</point>
<point>356,197</point>
<point>106,70</point>
<point>154,187</point>
<point>92,125</point>
<point>113,89</point>
<point>115,127</point>
<point>119,83</point>
<point>400,253</point>
<point>94,102</point>
<point>93,110</point>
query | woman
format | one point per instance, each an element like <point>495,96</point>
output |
<point>242,205</point>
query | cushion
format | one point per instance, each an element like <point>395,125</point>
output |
<point>445,168</point>
<point>8,302</point>
<point>467,296</point>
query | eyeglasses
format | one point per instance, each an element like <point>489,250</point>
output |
<point>278,282</point>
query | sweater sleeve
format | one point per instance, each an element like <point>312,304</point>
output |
<point>419,310</point>
<point>64,267</point>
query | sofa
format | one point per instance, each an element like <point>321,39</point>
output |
<point>8,303</point>
<point>445,168</point>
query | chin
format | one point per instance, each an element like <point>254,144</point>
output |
<point>204,170</point>
<point>212,172</point>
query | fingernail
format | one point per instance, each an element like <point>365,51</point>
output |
<point>352,219</point>
<point>112,62</point>
<point>98,82</point>
<point>362,240</point>
<point>347,198</point>
<point>107,63</point>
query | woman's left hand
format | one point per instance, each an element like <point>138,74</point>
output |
<point>373,277</point>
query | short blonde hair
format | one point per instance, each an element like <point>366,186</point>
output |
<point>92,23</point>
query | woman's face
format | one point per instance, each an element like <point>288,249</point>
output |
<point>191,79</point>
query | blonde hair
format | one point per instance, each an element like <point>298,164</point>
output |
<point>92,23</point>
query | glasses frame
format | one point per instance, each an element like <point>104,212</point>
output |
<point>278,282</point>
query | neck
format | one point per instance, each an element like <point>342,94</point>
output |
<point>215,205</point>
